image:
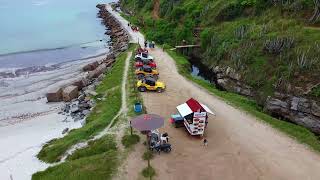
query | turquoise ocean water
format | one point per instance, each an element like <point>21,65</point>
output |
<point>40,32</point>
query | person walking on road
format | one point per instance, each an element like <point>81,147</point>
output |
<point>205,142</point>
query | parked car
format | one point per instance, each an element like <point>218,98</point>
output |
<point>150,84</point>
<point>145,71</point>
<point>143,56</point>
<point>150,63</point>
<point>161,147</point>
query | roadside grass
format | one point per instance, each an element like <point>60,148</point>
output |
<point>98,167</point>
<point>98,119</point>
<point>297,132</point>
<point>99,146</point>
<point>129,140</point>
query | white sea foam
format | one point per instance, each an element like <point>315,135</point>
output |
<point>40,3</point>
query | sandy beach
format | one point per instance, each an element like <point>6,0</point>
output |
<point>27,121</point>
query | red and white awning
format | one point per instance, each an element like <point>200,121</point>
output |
<point>185,109</point>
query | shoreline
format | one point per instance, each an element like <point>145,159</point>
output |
<point>25,95</point>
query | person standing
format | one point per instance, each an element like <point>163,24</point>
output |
<point>145,43</point>
<point>205,142</point>
<point>153,44</point>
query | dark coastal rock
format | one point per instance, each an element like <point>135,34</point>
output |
<point>99,70</point>
<point>299,110</point>
<point>229,80</point>
<point>91,66</point>
<point>65,130</point>
<point>315,109</point>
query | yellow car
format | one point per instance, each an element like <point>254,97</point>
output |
<point>144,71</point>
<point>150,84</point>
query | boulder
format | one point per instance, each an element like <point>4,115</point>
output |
<point>81,97</point>
<point>85,112</point>
<point>80,83</point>
<point>294,103</point>
<point>101,77</point>
<point>91,93</point>
<point>310,122</point>
<point>109,62</point>
<point>65,130</point>
<point>277,106</point>
<point>315,109</point>
<point>91,66</point>
<point>99,70</point>
<point>54,95</point>
<point>304,105</point>
<point>69,93</point>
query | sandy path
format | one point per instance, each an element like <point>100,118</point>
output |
<point>240,147</point>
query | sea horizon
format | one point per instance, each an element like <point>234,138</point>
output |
<point>35,34</point>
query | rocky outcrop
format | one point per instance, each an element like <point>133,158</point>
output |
<point>299,110</point>
<point>69,93</point>
<point>227,79</point>
<point>118,34</point>
<point>54,95</point>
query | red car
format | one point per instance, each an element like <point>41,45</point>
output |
<point>152,64</point>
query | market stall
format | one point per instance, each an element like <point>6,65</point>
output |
<point>193,115</point>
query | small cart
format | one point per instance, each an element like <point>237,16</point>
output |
<point>177,120</point>
<point>195,116</point>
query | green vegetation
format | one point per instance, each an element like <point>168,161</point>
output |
<point>316,91</point>
<point>101,158</point>
<point>130,140</point>
<point>148,155</point>
<point>96,161</point>
<point>95,147</point>
<point>148,172</point>
<point>98,167</point>
<point>269,43</point>
<point>98,119</point>
<point>299,133</point>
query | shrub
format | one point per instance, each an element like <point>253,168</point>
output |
<point>277,45</point>
<point>130,140</point>
<point>147,155</point>
<point>148,172</point>
<point>316,91</point>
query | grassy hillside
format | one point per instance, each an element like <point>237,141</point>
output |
<point>273,44</point>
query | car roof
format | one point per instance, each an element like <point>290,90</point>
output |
<point>146,67</point>
<point>149,78</point>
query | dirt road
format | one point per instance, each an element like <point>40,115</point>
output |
<point>240,147</point>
